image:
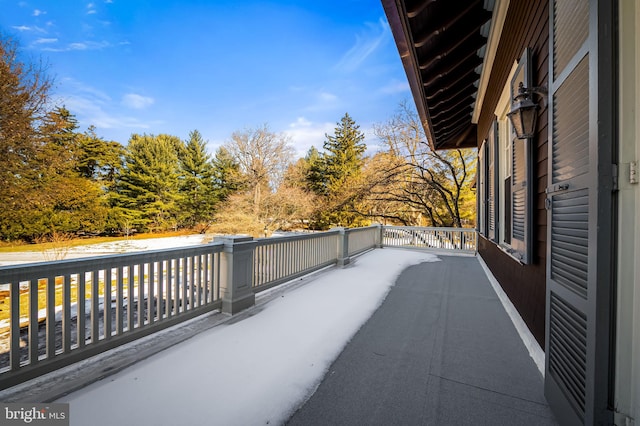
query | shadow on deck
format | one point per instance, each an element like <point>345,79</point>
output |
<point>440,350</point>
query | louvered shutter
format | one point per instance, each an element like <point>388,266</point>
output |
<point>521,182</point>
<point>579,196</point>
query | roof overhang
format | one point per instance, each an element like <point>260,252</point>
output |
<point>443,45</point>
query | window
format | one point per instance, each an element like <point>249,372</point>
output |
<point>506,138</point>
<point>505,176</point>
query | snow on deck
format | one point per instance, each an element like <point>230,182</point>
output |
<point>254,371</point>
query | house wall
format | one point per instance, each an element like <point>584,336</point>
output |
<point>526,25</point>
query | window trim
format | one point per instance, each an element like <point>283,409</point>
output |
<point>505,146</point>
<point>482,201</point>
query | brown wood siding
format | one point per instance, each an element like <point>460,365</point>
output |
<point>526,25</point>
<point>524,284</point>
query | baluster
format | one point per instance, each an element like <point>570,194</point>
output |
<point>33,321</point>
<point>82,313</point>
<point>119,300</point>
<point>108,277</point>
<point>14,361</point>
<point>66,313</point>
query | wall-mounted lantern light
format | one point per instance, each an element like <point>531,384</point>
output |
<point>524,112</point>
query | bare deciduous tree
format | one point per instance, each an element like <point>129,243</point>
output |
<point>433,184</point>
<point>24,93</point>
<point>263,157</point>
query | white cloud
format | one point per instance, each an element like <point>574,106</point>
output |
<point>394,87</point>
<point>45,40</point>
<point>90,112</point>
<point>300,122</point>
<point>81,45</point>
<point>304,134</point>
<point>327,97</point>
<point>92,106</point>
<point>38,12</point>
<point>86,91</point>
<point>321,100</point>
<point>135,101</point>
<point>366,43</point>
<point>35,28</point>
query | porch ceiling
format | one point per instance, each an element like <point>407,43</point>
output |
<point>442,45</point>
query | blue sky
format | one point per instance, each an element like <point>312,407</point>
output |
<point>169,66</point>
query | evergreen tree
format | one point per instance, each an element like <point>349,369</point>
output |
<point>67,202</point>
<point>315,175</point>
<point>147,193</point>
<point>227,178</point>
<point>344,155</point>
<point>59,129</point>
<point>336,175</point>
<point>99,160</point>
<point>79,203</point>
<point>197,186</point>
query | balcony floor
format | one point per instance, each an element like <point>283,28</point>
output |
<point>440,350</point>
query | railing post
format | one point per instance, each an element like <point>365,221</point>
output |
<point>380,236</point>
<point>343,247</point>
<point>236,273</point>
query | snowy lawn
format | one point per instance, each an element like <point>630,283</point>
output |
<point>99,249</point>
<point>256,371</point>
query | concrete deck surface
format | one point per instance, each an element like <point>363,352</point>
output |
<point>440,350</point>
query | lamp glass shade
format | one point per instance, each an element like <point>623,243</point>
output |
<point>523,116</point>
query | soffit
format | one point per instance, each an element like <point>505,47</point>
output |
<point>442,44</point>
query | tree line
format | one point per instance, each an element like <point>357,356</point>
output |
<point>56,179</point>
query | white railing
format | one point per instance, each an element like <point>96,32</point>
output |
<point>281,259</point>
<point>58,313</point>
<point>362,239</point>
<point>60,309</point>
<point>451,239</point>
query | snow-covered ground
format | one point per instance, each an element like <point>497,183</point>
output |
<point>256,371</point>
<point>113,247</point>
